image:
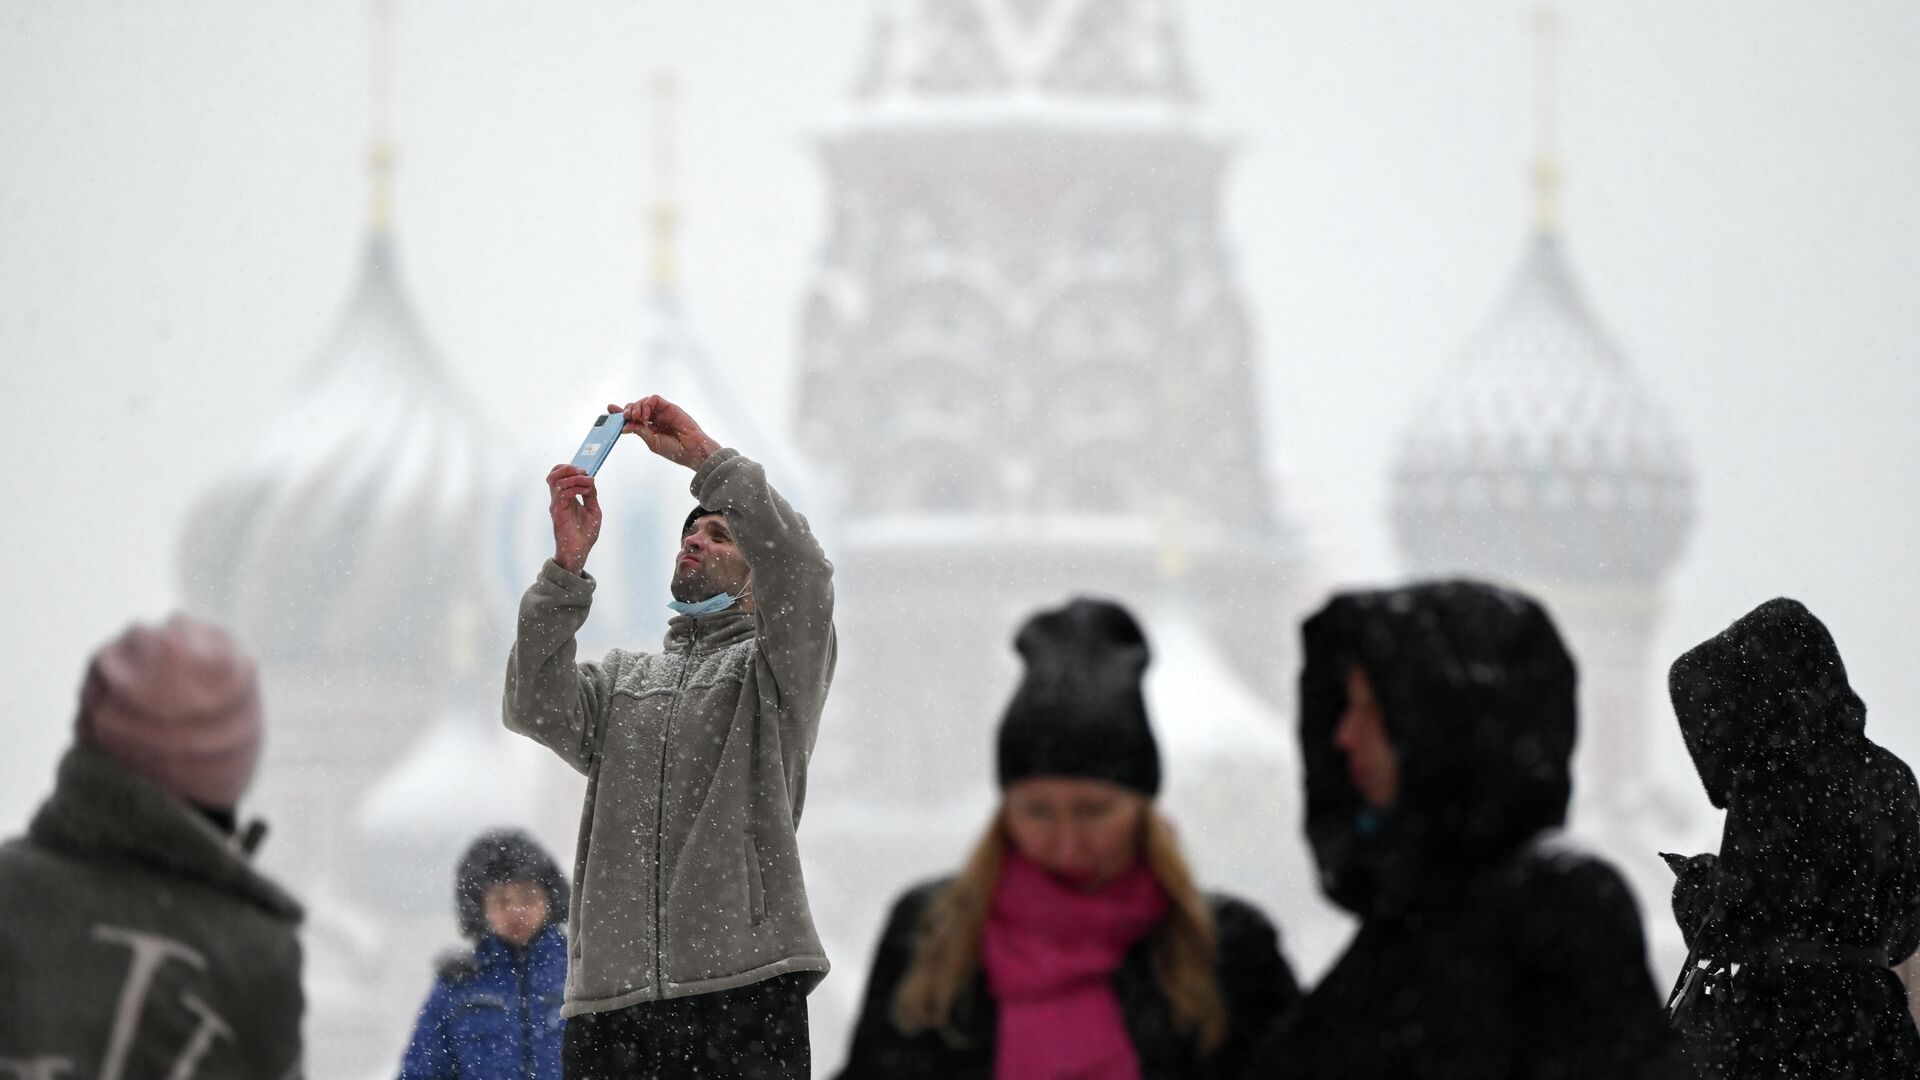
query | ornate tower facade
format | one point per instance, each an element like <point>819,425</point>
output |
<point>1540,459</point>
<point>1024,356</point>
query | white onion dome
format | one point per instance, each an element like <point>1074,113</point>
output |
<point>643,498</point>
<point>1540,456</point>
<point>346,532</point>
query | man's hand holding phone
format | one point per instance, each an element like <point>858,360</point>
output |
<point>573,501</point>
<point>668,431</point>
<point>574,505</point>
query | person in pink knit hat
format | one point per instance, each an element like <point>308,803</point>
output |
<point>136,938</point>
<point>178,704</point>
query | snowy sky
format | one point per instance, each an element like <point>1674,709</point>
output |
<point>181,201</point>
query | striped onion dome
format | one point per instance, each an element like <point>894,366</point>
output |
<point>346,531</point>
<point>1540,456</point>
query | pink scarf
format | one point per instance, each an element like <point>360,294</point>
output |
<point>1049,953</point>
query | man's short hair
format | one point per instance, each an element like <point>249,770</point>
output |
<point>698,513</point>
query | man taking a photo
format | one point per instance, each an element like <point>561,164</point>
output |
<point>693,946</point>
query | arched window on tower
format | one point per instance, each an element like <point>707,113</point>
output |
<point>932,365</point>
<point>1092,356</point>
<point>945,319</point>
<point>1106,476</point>
<point>932,396</point>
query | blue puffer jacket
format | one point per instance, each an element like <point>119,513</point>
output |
<point>494,1015</point>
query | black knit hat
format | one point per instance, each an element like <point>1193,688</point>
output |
<point>697,513</point>
<point>1079,711</point>
<point>498,856</point>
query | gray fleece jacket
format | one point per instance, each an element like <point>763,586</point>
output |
<point>687,877</point>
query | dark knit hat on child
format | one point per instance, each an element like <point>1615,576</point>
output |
<point>1079,711</point>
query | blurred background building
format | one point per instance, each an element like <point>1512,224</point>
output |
<point>1025,367</point>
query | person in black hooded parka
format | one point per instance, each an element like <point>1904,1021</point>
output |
<point>1436,726</point>
<point>1816,888</point>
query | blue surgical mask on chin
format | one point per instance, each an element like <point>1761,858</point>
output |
<point>696,608</point>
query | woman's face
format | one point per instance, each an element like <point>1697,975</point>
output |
<point>1362,736</point>
<point>1084,832</point>
<point>516,911</point>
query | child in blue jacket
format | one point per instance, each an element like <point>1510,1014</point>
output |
<point>494,1013</point>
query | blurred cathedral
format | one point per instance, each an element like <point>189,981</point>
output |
<point>1025,307</point>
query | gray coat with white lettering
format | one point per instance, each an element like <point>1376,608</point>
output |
<point>687,877</point>
<point>137,940</point>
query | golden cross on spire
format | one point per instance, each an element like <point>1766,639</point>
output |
<point>664,217</point>
<point>380,152</point>
<point>1546,158</point>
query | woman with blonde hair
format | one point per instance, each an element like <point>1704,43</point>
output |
<point>1073,942</point>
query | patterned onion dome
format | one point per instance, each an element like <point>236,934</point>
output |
<point>347,531</point>
<point>1540,457</point>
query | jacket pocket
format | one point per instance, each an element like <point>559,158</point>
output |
<point>756,894</point>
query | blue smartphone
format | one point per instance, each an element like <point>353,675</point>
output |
<point>599,442</point>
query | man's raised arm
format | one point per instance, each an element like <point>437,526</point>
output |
<point>549,697</point>
<point>792,579</point>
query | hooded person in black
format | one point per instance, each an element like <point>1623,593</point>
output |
<point>1815,891</point>
<point>1436,724</point>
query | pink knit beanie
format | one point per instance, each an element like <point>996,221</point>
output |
<point>178,704</point>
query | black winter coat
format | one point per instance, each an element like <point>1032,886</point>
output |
<point>1256,982</point>
<point>1816,889</point>
<point>1487,951</point>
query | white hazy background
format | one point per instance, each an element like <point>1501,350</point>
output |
<point>183,194</point>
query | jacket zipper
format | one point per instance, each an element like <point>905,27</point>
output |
<point>525,964</point>
<point>660,825</point>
